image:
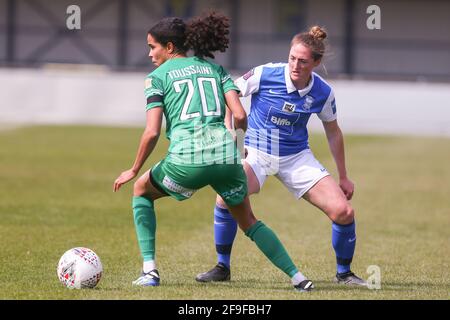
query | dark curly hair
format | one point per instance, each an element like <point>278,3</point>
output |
<point>207,34</point>
<point>204,35</point>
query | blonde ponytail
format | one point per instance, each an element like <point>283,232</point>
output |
<point>318,33</point>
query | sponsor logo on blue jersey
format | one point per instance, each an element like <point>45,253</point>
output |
<point>280,121</point>
<point>288,107</point>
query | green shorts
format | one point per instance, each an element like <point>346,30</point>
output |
<point>181,182</point>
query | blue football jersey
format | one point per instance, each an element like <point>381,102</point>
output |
<point>279,112</point>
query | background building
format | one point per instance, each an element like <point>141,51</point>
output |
<point>413,40</point>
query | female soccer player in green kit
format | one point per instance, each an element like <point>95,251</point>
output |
<point>193,93</point>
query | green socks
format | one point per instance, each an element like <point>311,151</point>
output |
<point>268,242</point>
<point>145,223</point>
<point>264,237</point>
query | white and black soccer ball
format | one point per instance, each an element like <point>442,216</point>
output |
<point>79,268</point>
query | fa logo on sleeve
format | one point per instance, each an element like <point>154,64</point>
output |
<point>248,74</point>
<point>333,106</point>
<point>148,83</point>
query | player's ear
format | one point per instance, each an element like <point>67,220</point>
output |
<point>170,47</point>
<point>317,62</point>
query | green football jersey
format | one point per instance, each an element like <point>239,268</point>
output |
<point>191,92</point>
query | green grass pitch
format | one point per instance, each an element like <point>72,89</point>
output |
<point>56,193</point>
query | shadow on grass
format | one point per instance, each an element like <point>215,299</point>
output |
<point>319,286</point>
<point>282,286</point>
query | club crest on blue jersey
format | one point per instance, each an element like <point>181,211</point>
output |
<point>308,103</point>
<point>288,107</point>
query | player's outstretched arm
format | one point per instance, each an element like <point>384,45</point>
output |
<point>148,142</point>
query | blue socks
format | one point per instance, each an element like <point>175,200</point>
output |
<point>225,228</point>
<point>343,238</point>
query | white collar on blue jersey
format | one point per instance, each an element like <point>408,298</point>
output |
<point>290,86</point>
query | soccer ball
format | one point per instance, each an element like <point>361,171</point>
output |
<point>79,268</point>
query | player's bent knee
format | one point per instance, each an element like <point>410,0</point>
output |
<point>343,214</point>
<point>138,188</point>
<point>220,203</point>
<point>349,215</point>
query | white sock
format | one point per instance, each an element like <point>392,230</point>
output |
<point>149,266</point>
<point>297,278</point>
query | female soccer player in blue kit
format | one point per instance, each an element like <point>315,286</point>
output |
<point>284,96</point>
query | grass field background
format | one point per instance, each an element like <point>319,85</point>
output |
<point>56,193</point>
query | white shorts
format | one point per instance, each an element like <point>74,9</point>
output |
<point>298,172</point>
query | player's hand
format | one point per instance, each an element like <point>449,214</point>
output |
<point>347,187</point>
<point>124,178</point>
